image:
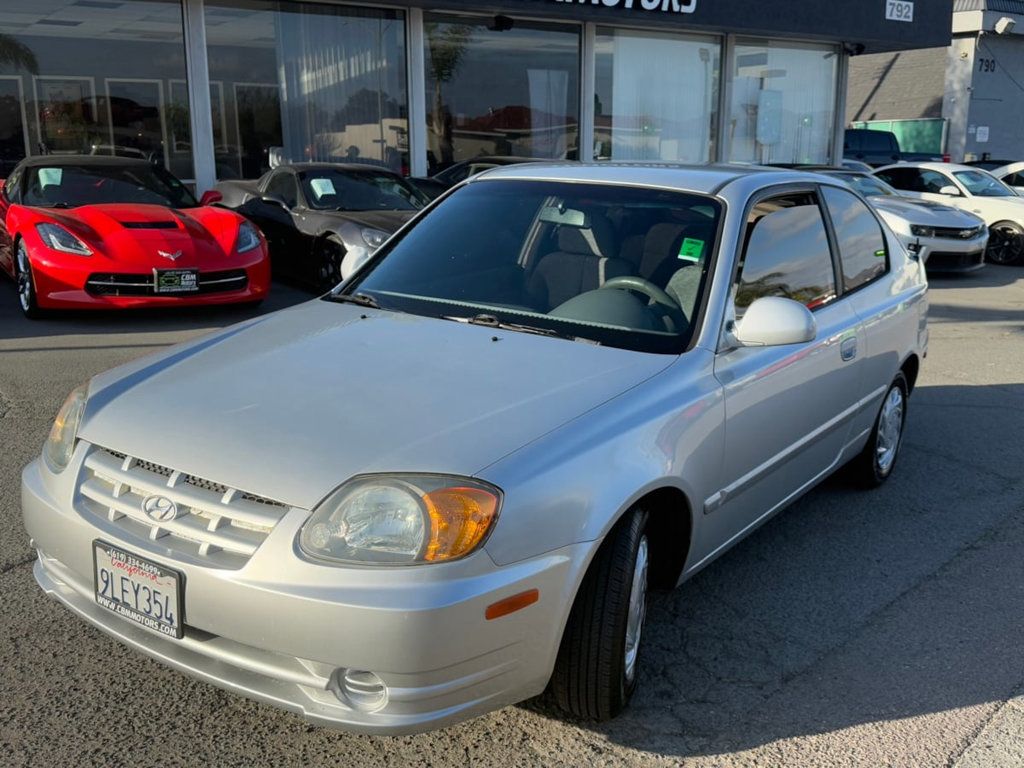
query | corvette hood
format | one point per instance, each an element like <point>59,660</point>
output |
<point>147,236</point>
<point>386,221</point>
<point>291,405</point>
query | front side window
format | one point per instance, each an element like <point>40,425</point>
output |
<point>68,186</point>
<point>862,250</point>
<point>981,184</point>
<point>621,266</point>
<point>283,185</point>
<point>787,254</point>
<point>332,189</point>
<point>934,182</point>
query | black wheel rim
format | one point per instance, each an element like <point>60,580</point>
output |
<point>1005,245</point>
<point>24,280</point>
<point>330,265</point>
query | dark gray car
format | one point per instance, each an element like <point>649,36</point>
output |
<point>315,214</point>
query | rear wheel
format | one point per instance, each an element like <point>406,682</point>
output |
<point>875,463</point>
<point>26,283</point>
<point>1005,243</point>
<point>599,658</point>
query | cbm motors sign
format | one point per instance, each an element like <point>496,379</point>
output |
<point>666,6</point>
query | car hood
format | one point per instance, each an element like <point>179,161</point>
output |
<point>147,236</point>
<point>386,221</point>
<point>290,405</point>
<point>925,212</point>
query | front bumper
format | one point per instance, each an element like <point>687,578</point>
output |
<point>943,254</point>
<point>276,631</point>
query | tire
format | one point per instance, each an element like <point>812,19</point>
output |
<point>874,465</point>
<point>1005,243</point>
<point>26,287</point>
<point>598,660</point>
<point>330,252</point>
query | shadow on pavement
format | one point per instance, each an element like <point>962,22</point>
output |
<point>796,631</point>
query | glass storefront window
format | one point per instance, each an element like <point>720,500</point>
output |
<point>90,77</point>
<point>499,86</point>
<point>320,82</point>
<point>783,102</point>
<point>656,96</point>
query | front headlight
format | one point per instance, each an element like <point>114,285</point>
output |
<point>60,239</point>
<point>60,444</point>
<point>401,520</point>
<point>374,237</point>
<point>919,231</point>
<point>248,237</point>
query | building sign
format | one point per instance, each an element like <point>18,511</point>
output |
<point>667,6</point>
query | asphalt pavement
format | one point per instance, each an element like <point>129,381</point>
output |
<point>857,628</point>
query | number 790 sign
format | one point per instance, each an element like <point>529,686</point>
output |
<point>899,10</point>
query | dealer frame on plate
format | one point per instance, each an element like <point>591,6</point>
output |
<point>140,575</point>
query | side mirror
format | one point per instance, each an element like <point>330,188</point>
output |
<point>210,197</point>
<point>773,321</point>
<point>275,157</point>
<point>273,199</point>
<point>950,191</point>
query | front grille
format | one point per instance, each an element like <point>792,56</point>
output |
<point>939,261</point>
<point>951,233</point>
<point>215,526</point>
<point>120,284</point>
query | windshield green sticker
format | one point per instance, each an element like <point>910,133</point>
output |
<point>322,187</point>
<point>691,249</point>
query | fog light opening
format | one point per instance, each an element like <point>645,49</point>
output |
<point>361,690</point>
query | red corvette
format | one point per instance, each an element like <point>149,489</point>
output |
<point>85,232</point>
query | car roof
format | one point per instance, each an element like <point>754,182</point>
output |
<point>57,161</point>
<point>1006,170</point>
<point>704,179</point>
<point>336,167</point>
<point>931,166</point>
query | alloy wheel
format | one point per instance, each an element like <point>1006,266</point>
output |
<point>24,280</point>
<point>890,428</point>
<point>637,610</point>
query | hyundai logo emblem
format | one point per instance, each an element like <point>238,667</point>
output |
<point>160,508</point>
<point>168,255</point>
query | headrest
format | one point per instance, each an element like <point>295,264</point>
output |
<point>598,240</point>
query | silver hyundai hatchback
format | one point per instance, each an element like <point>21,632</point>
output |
<point>448,485</point>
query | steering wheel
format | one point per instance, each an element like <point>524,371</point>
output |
<point>668,306</point>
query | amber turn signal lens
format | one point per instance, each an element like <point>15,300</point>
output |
<point>511,604</point>
<point>459,519</point>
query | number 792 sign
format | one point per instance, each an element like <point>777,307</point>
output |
<point>899,10</point>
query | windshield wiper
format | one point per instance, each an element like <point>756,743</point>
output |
<point>490,321</point>
<point>362,299</point>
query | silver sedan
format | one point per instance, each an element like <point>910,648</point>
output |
<point>449,484</point>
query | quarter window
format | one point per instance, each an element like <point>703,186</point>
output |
<point>787,254</point>
<point>862,250</point>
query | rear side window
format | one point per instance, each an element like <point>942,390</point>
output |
<point>862,251</point>
<point>787,254</point>
<point>908,179</point>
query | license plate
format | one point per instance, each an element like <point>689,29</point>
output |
<point>138,590</point>
<point>175,280</point>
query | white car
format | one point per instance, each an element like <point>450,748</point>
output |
<point>1011,175</point>
<point>944,238</point>
<point>970,189</point>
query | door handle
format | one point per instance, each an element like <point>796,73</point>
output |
<point>848,349</point>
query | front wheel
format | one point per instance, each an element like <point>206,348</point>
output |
<point>329,255</point>
<point>26,284</point>
<point>1005,243</point>
<point>598,661</point>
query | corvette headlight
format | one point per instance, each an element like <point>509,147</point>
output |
<point>401,520</point>
<point>374,237</point>
<point>919,231</point>
<point>61,239</point>
<point>248,237</point>
<point>60,444</point>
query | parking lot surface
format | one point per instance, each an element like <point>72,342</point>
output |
<point>856,628</point>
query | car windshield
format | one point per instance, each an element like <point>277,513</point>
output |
<point>981,184</point>
<point>68,186</point>
<point>615,265</point>
<point>867,185</point>
<point>356,190</point>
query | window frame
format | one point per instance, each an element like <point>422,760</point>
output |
<point>837,253</point>
<point>764,195</point>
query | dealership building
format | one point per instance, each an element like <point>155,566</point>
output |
<point>210,88</point>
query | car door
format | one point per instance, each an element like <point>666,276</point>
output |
<point>788,408</point>
<point>9,190</point>
<point>273,213</point>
